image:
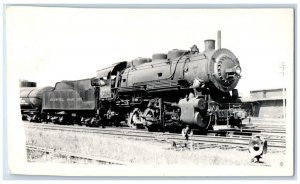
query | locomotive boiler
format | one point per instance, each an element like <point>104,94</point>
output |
<point>182,87</point>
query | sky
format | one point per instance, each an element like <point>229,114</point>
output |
<point>48,45</point>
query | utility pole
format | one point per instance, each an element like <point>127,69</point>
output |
<point>282,71</point>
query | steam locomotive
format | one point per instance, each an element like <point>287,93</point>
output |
<point>165,92</point>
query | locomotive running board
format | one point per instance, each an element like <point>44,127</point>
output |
<point>222,127</point>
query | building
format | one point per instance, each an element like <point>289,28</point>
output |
<point>267,103</point>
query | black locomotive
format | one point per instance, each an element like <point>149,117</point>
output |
<point>167,91</point>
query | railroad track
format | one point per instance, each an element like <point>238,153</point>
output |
<point>76,155</point>
<point>272,123</point>
<point>266,127</point>
<point>234,140</point>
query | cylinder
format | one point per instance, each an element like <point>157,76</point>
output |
<point>209,44</point>
<point>199,104</point>
<point>198,120</point>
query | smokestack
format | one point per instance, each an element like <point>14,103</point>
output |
<point>219,39</point>
<point>209,44</point>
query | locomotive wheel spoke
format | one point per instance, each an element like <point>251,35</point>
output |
<point>149,114</point>
<point>135,119</point>
<point>29,118</point>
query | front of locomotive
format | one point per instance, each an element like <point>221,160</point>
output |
<point>219,69</point>
<point>224,71</point>
<point>215,83</point>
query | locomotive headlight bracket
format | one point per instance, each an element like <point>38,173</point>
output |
<point>238,70</point>
<point>230,73</point>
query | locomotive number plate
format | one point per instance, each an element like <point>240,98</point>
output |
<point>105,92</point>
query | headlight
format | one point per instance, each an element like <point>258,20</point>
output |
<point>238,70</point>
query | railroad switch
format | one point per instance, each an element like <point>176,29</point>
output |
<point>257,147</point>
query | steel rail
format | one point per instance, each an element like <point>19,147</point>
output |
<point>162,136</point>
<point>132,131</point>
<point>76,155</point>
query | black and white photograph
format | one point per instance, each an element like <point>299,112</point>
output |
<point>148,91</point>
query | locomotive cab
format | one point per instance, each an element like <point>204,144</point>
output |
<point>109,78</point>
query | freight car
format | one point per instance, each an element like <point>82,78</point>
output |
<point>167,91</point>
<point>31,102</point>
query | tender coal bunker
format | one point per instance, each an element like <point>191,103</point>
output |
<point>81,87</point>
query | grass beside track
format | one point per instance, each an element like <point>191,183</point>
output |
<point>137,151</point>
